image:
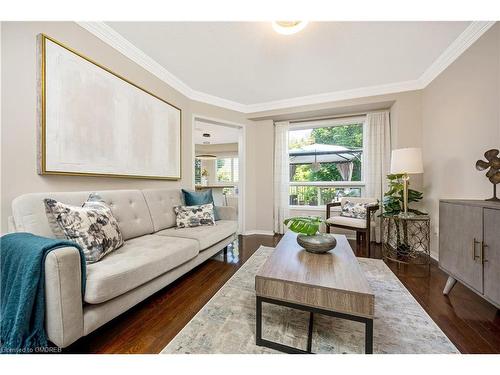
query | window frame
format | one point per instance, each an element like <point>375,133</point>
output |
<point>233,159</point>
<point>197,160</point>
<point>314,124</point>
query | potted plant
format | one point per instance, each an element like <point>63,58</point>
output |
<point>204,177</point>
<point>309,237</point>
<point>394,198</point>
<point>393,207</point>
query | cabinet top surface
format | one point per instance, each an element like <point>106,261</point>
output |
<point>473,202</point>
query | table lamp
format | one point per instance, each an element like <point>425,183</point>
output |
<point>406,161</point>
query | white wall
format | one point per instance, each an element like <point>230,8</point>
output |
<point>405,109</point>
<point>455,119</point>
<point>18,117</point>
<point>460,121</point>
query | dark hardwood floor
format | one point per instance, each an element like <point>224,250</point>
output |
<point>471,323</point>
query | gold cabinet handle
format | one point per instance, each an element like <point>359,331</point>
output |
<point>474,242</point>
<point>483,246</point>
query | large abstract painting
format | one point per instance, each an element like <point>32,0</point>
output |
<point>95,122</point>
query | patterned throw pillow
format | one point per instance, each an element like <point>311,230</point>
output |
<point>196,198</point>
<point>193,216</point>
<point>92,226</point>
<point>354,210</point>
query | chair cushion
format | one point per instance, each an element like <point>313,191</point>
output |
<point>354,209</point>
<point>347,221</point>
<point>205,235</point>
<point>358,200</point>
<point>138,261</point>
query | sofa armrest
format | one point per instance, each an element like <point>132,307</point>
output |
<point>227,213</point>
<point>11,225</point>
<point>63,296</point>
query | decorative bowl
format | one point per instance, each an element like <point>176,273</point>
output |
<point>319,243</point>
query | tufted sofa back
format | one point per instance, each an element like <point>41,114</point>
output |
<point>128,206</point>
<point>161,204</point>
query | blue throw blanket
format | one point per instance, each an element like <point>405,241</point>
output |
<point>22,303</point>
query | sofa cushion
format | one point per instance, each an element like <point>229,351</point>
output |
<point>130,211</point>
<point>205,235</point>
<point>29,214</point>
<point>161,203</point>
<point>194,216</point>
<point>128,207</point>
<point>92,226</point>
<point>197,198</point>
<point>138,261</point>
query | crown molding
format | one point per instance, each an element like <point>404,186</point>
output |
<point>217,101</point>
<point>472,33</point>
<point>335,96</point>
<point>108,35</point>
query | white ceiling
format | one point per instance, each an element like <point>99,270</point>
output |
<point>218,134</point>
<point>247,67</point>
<point>249,63</point>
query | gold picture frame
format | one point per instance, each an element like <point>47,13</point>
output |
<point>42,116</point>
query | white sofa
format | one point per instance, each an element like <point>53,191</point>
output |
<point>155,253</point>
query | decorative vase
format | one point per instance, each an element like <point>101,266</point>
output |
<point>319,243</point>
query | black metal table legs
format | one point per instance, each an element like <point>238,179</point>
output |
<point>312,310</point>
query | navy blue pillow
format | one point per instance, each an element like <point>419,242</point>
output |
<point>195,198</point>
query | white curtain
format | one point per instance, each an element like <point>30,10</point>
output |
<point>377,157</point>
<point>281,175</point>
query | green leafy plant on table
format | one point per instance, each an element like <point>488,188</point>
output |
<point>393,198</point>
<point>393,203</point>
<point>307,225</point>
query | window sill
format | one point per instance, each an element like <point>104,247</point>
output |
<point>308,208</point>
<point>346,184</point>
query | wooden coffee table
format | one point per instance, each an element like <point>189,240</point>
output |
<point>330,284</point>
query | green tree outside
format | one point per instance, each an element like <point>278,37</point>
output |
<point>350,136</point>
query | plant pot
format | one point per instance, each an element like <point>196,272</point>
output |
<point>319,243</point>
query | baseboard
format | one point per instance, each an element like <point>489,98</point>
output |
<point>256,231</point>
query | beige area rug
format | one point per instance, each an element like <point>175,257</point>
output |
<point>226,324</point>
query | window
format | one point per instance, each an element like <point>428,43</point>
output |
<point>227,170</point>
<point>197,171</point>
<point>326,161</point>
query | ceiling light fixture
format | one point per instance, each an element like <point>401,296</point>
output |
<point>206,157</point>
<point>288,27</point>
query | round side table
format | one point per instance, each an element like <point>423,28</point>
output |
<point>406,240</point>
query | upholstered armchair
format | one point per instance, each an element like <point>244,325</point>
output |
<point>361,226</point>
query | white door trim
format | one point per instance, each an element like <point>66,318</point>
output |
<point>241,162</point>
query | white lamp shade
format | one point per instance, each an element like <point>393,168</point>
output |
<point>407,160</point>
